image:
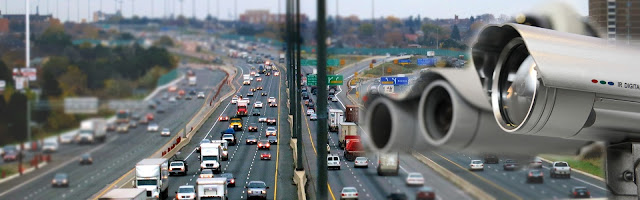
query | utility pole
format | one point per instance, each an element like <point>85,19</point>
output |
<point>133,7</point>
<point>321,133</point>
<point>235,8</point>
<point>181,8</point>
<point>298,115</point>
<point>289,62</point>
<point>193,8</point>
<point>78,10</point>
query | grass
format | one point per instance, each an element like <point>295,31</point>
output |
<point>593,166</point>
<point>395,69</point>
<point>10,169</point>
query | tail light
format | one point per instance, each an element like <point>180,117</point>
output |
<point>588,193</point>
<point>575,193</point>
<point>342,194</point>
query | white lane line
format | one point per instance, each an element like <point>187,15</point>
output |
<point>583,181</point>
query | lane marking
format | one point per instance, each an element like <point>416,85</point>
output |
<point>275,187</point>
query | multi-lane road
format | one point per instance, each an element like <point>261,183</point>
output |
<point>114,157</point>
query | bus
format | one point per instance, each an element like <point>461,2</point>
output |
<point>123,116</point>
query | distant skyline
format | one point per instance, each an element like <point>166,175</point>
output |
<point>68,9</point>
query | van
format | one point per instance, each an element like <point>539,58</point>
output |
<point>333,161</point>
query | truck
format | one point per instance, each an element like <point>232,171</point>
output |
<point>225,148</point>
<point>209,157</point>
<point>242,107</point>
<point>351,113</point>
<point>192,80</point>
<point>261,69</point>
<point>246,79</point>
<point>152,175</point>
<point>388,164</point>
<point>125,194</point>
<point>92,130</point>
<point>123,116</point>
<point>353,148</point>
<point>335,117</point>
<point>282,57</point>
<point>211,188</point>
<point>347,129</point>
<point>560,169</point>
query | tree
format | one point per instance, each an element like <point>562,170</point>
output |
<point>118,88</point>
<point>455,33</point>
<point>17,123</point>
<point>472,19</point>
<point>366,29</point>
<point>164,41</point>
<point>126,36</point>
<point>6,74</point>
<point>50,84</point>
<point>393,38</point>
<point>73,82</point>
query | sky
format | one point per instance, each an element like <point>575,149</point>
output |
<point>75,10</point>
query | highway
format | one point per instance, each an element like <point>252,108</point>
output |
<point>244,160</point>
<point>111,159</point>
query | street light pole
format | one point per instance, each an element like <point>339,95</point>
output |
<point>321,133</point>
<point>298,113</point>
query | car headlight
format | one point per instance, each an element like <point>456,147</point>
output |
<point>264,192</point>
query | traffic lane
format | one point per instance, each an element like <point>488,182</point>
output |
<point>443,188</point>
<point>516,181</point>
<point>122,145</point>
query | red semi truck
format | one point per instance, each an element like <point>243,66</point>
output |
<point>242,107</point>
<point>354,148</point>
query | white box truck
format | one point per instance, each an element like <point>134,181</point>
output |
<point>125,194</point>
<point>388,164</point>
<point>335,117</point>
<point>192,80</point>
<point>152,174</point>
<point>210,157</point>
<point>346,129</point>
<point>246,79</point>
<point>224,155</point>
<point>92,130</point>
<point>211,188</point>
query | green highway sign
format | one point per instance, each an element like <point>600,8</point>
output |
<point>308,62</point>
<point>334,79</point>
<point>333,62</point>
<point>312,79</point>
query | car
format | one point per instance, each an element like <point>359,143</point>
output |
<point>160,110</point>
<point>265,156</point>
<point>333,161</point>
<point>334,99</point>
<point>264,144</point>
<point>536,163</point>
<point>236,124</point>
<point>178,167</point>
<point>250,94</point>
<point>50,146</point>
<point>330,97</point>
<point>276,73</point>
<point>252,89</point>
<point>186,192</point>
<point>153,127</point>
<point>491,159</point>
<point>173,99</point>
<point>165,132</point>
<point>257,75</point>
<point>230,138</point>
<point>256,189</point>
<point>223,118</point>
<point>252,128</point>
<point>165,96</point>
<point>133,124</point>
<point>415,179</point>
<point>206,173</point>
<point>259,88</point>
<point>200,95</point>
<point>150,116</point>
<point>426,193</point>
<point>360,161</point>
<point>257,104</point>
<point>66,139</point>
<point>111,127</point>
<point>271,121</point>
<point>251,139</point>
<point>203,141</point>
<point>262,119</point>
<point>313,117</point>
<point>273,139</point>
<point>122,128</point>
<point>60,180</point>
<point>268,74</point>
<point>143,121</point>
<point>560,169</point>
<point>188,97</point>
<point>273,104</point>
<point>310,111</point>
<point>476,165</point>
<point>231,181</point>
<point>234,100</point>
<point>271,131</point>
<point>86,159</point>
<point>172,88</point>
<point>397,196</point>
<point>510,165</point>
<point>271,99</point>
<point>263,94</point>
<point>349,193</point>
<point>580,192</point>
<point>328,148</point>
<point>535,175</point>
<point>192,92</point>
<point>259,79</point>
<point>255,112</point>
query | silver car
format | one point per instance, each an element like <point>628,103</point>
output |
<point>165,132</point>
<point>257,189</point>
<point>349,193</point>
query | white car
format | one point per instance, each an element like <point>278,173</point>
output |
<point>234,100</point>
<point>262,119</point>
<point>536,163</point>
<point>257,74</point>
<point>476,165</point>
<point>349,193</point>
<point>415,179</point>
<point>153,127</point>
<point>66,139</point>
<point>334,99</point>
<point>271,100</point>
<point>310,111</point>
<point>271,131</point>
<point>186,192</point>
<point>313,117</point>
<point>361,162</point>
<point>201,95</point>
<point>333,161</point>
<point>257,104</point>
<point>172,99</point>
<point>165,132</point>
<point>50,146</point>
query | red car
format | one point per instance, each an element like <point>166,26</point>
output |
<point>265,156</point>
<point>223,118</point>
<point>10,156</point>
<point>150,116</point>
<point>426,193</point>
<point>264,144</point>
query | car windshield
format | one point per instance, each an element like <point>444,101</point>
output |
<point>562,164</point>
<point>61,176</point>
<point>534,171</point>
<point>227,175</point>
<point>186,190</point>
<point>147,182</point>
<point>361,159</point>
<point>476,162</point>
<point>86,156</point>
<point>205,141</point>
<point>414,175</point>
<point>177,164</point>
<point>251,137</point>
<point>510,161</point>
<point>208,158</point>
<point>271,129</point>
<point>349,190</point>
<point>165,129</point>
<point>264,141</point>
<point>256,185</point>
<point>227,136</point>
<point>272,138</point>
<point>580,189</point>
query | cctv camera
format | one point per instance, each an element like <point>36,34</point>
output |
<point>550,83</point>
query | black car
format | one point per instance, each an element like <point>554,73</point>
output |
<point>85,159</point>
<point>580,192</point>
<point>255,112</point>
<point>535,176</point>
<point>397,196</point>
<point>231,181</point>
<point>510,165</point>
<point>192,92</point>
<point>250,94</point>
<point>491,159</point>
<point>60,180</point>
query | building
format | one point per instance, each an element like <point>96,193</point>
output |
<point>264,17</point>
<point>617,20</point>
<point>15,22</point>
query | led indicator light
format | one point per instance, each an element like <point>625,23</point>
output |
<point>603,82</point>
<point>594,81</point>
<point>610,83</point>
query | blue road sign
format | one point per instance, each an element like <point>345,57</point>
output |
<point>392,80</point>
<point>426,61</point>
<point>404,61</point>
